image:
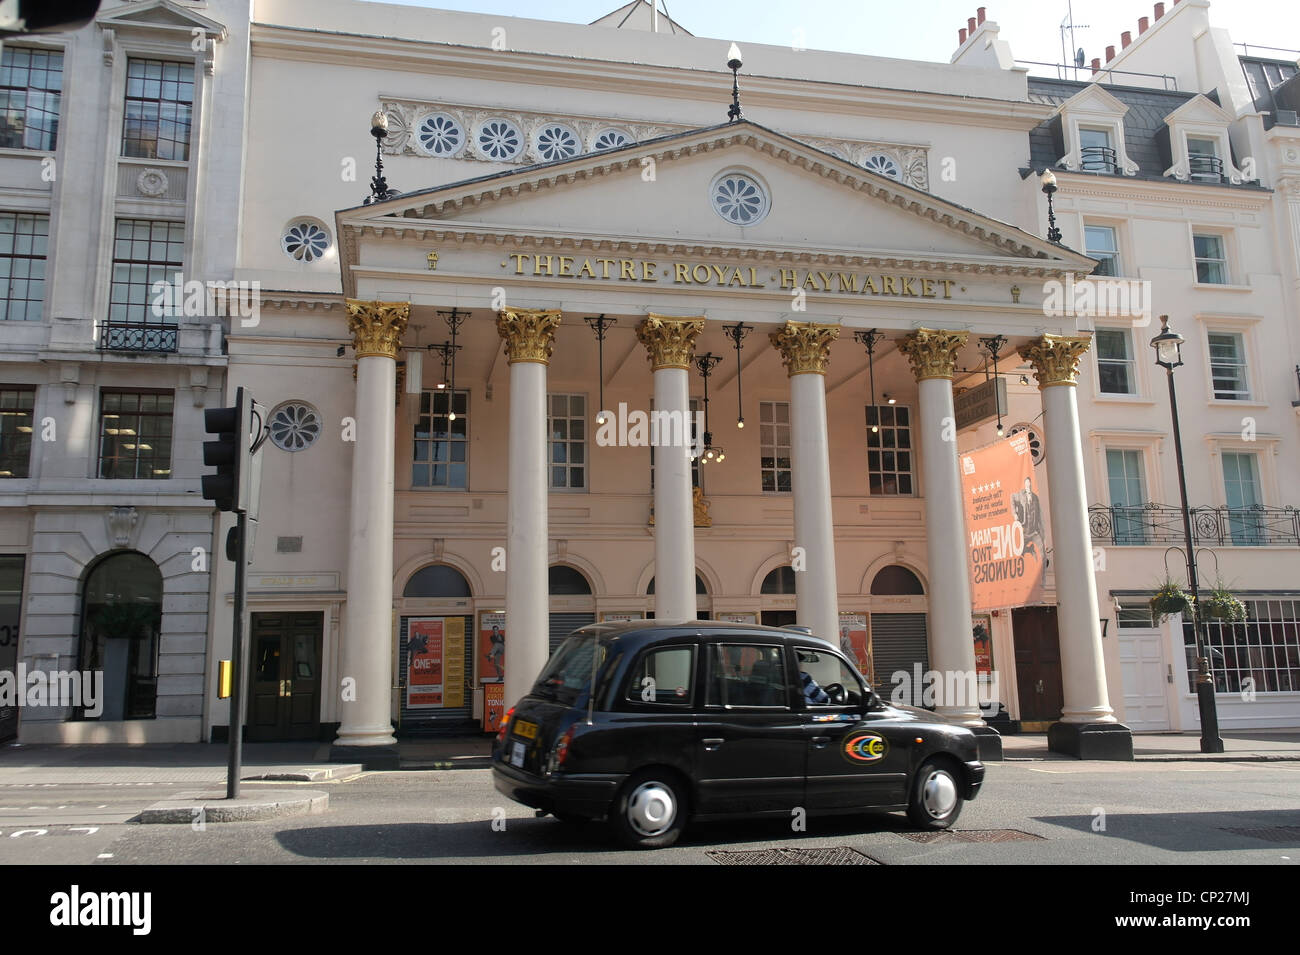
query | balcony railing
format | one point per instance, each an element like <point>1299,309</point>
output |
<point>137,337</point>
<point>1098,159</point>
<point>1205,168</point>
<point>1254,526</point>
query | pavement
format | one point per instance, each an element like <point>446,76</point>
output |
<point>204,764</point>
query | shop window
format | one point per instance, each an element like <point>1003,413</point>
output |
<point>1259,655</point>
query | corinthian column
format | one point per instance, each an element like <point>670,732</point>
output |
<point>376,329</point>
<point>670,345</point>
<point>529,336</point>
<point>933,355</point>
<point>805,349</point>
<point>1088,728</point>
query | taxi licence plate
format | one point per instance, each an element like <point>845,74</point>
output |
<point>525,729</point>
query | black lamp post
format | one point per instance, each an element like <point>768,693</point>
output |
<point>1168,346</point>
<point>1049,187</point>
<point>379,190</point>
<point>734,64</point>
<point>710,452</point>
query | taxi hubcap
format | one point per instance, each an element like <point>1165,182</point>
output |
<point>651,809</point>
<point>939,794</point>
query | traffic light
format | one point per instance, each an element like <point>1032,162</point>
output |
<point>228,454</point>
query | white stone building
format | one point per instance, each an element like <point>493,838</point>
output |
<point>590,171</point>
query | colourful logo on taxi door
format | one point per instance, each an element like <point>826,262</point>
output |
<point>865,748</point>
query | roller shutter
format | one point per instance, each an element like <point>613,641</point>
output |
<point>898,642</point>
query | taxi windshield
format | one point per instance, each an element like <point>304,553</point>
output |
<point>570,669</point>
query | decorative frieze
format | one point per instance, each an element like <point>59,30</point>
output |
<point>476,133</point>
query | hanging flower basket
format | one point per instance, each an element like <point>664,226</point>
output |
<point>1171,599</point>
<point>1220,604</point>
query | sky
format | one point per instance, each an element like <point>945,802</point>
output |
<point>924,30</point>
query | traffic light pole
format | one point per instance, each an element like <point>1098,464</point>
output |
<point>236,754</point>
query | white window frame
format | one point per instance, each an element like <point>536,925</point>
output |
<point>568,443</point>
<point>1230,265</point>
<point>1245,327</point>
<point>1151,445</point>
<point>1200,118</point>
<point>1120,244</point>
<point>1094,108</point>
<point>416,414</point>
<point>913,471</point>
<point>1265,447</point>
<point>775,447</point>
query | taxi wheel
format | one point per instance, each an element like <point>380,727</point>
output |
<point>650,810</point>
<point>935,801</point>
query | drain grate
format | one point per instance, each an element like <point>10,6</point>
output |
<point>835,855</point>
<point>1286,834</point>
<point>971,835</point>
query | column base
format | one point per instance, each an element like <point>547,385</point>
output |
<point>990,742</point>
<point>1091,740</point>
<point>370,757</point>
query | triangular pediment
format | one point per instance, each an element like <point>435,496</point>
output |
<point>1199,109</point>
<point>659,194</point>
<point>1095,101</point>
<point>161,15</point>
<point>640,15</point>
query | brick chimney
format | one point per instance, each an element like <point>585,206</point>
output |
<point>1125,39</point>
<point>1159,11</point>
<point>979,15</point>
<point>1110,53</point>
<point>1096,64</point>
<point>961,36</point>
<point>1143,23</point>
<point>970,26</point>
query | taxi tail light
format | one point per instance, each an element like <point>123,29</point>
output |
<point>562,747</point>
<point>505,725</point>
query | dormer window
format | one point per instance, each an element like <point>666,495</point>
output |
<point>1096,154</point>
<point>1203,162</point>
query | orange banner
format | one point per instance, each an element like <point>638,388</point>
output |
<point>424,638</point>
<point>1005,525</point>
<point>494,706</point>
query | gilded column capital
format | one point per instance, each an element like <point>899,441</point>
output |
<point>1055,358</point>
<point>932,352</point>
<point>805,347</point>
<point>669,341</point>
<point>377,327</point>
<point>529,333</point>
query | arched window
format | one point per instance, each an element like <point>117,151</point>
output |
<point>896,580</point>
<point>121,620</point>
<point>699,586</point>
<point>779,581</point>
<point>566,581</point>
<point>437,580</point>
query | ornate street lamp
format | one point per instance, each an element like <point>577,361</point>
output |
<point>1049,187</point>
<point>734,64</point>
<point>868,338</point>
<point>1168,346</point>
<point>737,333</point>
<point>994,345</point>
<point>598,325</point>
<point>706,363</point>
<point>379,190</point>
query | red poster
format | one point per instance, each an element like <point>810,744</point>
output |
<point>494,706</point>
<point>424,661</point>
<point>492,647</point>
<point>1005,525</point>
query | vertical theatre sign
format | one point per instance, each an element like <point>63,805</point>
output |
<point>1004,525</point>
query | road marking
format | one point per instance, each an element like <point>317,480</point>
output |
<point>105,855</point>
<point>16,834</point>
<point>88,830</point>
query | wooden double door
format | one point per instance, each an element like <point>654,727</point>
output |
<point>1038,666</point>
<point>285,689</point>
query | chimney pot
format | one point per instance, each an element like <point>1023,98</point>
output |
<point>1110,53</point>
<point>1096,64</point>
<point>1125,39</point>
<point>961,36</point>
<point>970,26</point>
<point>1143,23</point>
<point>1159,11</point>
<point>979,15</point>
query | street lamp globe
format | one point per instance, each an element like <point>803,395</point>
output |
<point>1168,346</point>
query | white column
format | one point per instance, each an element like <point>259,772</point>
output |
<point>674,505</point>
<point>366,702</point>
<point>529,338</point>
<point>1083,670</point>
<point>670,345</point>
<point>952,649</point>
<point>805,350</point>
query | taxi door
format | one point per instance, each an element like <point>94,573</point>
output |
<point>855,759</point>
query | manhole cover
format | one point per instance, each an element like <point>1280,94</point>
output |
<point>1270,834</point>
<point>971,835</point>
<point>835,855</point>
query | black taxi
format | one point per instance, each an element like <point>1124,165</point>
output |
<point>652,725</point>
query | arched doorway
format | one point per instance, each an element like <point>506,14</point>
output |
<point>779,582</point>
<point>898,639</point>
<point>703,603</point>
<point>121,624</point>
<point>572,603</point>
<point>435,652</point>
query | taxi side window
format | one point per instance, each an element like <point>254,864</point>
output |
<point>826,680</point>
<point>746,675</point>
<point>663,676</point>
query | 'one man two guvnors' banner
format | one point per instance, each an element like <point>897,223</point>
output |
<point>1005,527</point>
